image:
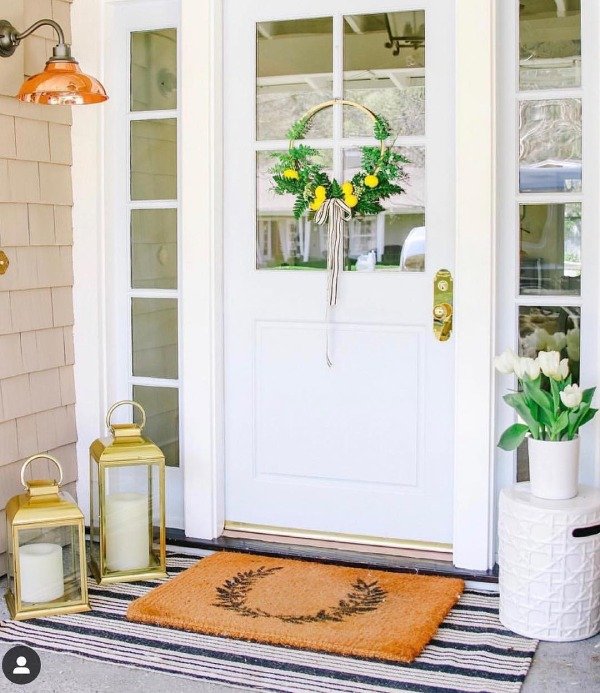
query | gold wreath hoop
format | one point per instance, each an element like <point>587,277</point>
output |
<point>343,102</point>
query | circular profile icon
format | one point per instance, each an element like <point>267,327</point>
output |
<point>21,664</point>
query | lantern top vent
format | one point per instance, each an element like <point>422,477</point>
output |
<point>126,445</point>
<point>43,501</point>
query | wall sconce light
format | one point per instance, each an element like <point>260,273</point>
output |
<point>62,81</point>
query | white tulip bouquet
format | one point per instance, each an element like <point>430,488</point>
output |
<point>550,405</point>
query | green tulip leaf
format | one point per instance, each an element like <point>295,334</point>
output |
<point>555,388</point>
<point>513,436</point>
<point>588,395</point>
<point>518,402</point>
<point>540,397</point>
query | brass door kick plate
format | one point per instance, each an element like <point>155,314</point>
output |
<point>4,262</point>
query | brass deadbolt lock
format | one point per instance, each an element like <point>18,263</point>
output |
<point>4,262</point>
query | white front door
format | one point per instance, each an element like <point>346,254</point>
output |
<point>364,447</point>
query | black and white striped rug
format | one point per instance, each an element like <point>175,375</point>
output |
<point>471,651</point>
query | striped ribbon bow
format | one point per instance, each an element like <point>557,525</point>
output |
<point>334,212</point>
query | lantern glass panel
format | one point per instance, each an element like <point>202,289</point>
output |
<point>132,517</point>
<point>49,566</point>
<point>94,541</point>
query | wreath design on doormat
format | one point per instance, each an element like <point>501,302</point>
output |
<point>233,596</point>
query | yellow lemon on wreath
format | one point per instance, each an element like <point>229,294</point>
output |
<point>371,181</point>
<point>316,204</point>
<point>291,174</point>
<point>320,192</point>
<point>351,200</point>
<point>347,188</point>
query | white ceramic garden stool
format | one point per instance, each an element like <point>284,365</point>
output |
<point>549,557</point>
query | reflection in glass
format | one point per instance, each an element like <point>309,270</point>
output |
<point>154,337</point>
<point>550,145</point>
<point>154,248</point>
<point>550,249</point>
<point>394,239</point>
<point>283,242</point>
<point>162,424</point>
<point>154,159</point>
<point>549,44</point>
<point>392,85</point>
<point>154,70</point>
<point>551,328</point>
<point>294,72</point>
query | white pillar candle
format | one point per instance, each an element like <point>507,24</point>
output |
<point>127,537</point>
<point>41,572</point>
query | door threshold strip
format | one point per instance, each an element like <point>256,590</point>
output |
<point>337,556</point>
<point>321,543</point>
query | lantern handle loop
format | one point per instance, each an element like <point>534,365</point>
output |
<point>40,457</point>
<point>122,403</point>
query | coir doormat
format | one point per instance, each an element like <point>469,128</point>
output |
<point>316,606</point>
<point>471,651</point>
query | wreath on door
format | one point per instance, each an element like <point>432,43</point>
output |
<point>298,172</point>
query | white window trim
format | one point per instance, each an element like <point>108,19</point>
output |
<point>202,264</point>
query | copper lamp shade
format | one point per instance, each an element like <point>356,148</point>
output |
<point>62,82</point>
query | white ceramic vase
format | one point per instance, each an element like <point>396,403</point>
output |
<point>554,468</point>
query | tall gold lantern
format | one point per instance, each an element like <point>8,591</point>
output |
<point>127,504</point>
<point>47,572</point>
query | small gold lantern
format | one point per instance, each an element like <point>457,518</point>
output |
<point>127,504</point>
<point>47,572</point>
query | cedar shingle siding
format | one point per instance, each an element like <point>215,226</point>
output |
<point>37,393</point>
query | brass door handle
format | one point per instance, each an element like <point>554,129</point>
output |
<point>442,305</point>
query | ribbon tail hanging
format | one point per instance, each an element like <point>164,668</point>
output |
<point>335,213</point>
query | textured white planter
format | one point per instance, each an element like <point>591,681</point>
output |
<point>549,557</point>
<point>554,468</point>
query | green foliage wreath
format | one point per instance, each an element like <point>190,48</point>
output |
<point>298,173</point>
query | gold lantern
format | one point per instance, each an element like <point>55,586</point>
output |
<point>47,572</point>
<point>127,504</point>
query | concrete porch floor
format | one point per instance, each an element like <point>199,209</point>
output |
<point>557,668</point>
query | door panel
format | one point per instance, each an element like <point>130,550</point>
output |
<point>378,408</point>
<point>364,447</point>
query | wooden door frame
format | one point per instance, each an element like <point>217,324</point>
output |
<point>201,170</point>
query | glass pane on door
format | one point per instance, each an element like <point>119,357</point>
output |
<point>161,405</point>
<point>283,242</point>
<point>549,44</point>
<point>153,70</point>
<point>550,249</point>
<point>551,328</point>
<point>154,248</point>
<point>154,159</point>
<point>396,238</point>
<point>550,145</point>
<point>384,69</point>
<point>294,68</point>
<point>154,337</point>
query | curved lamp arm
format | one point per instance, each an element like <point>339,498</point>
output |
<point>10,38</point>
